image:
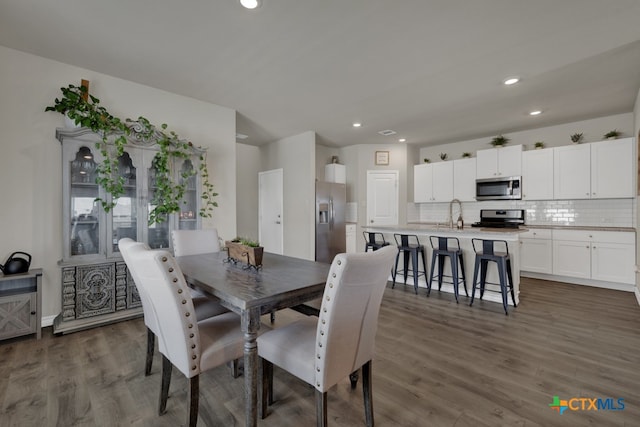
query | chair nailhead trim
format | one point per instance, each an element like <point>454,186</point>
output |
<point>318,369</point>
<point>164,259</point>
<point>190,325</point>
<point>324,309</point>
<point>179,291</point>
<point>187,314</point>
<point>328,298</point>
<point>322,333</point>
<point>191,335</point>
<point>193,346</point>
<point>323,321</point>
<point>193,368</point>
<point>184,301</point>
<point>194,357</point>
<point>170,269</point>
<point>333,275</point>
<point>331,285</point>
<point>339,262</point>
<point>175,280</point>
<point>319,344</point>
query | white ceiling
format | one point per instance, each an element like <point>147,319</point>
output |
<point>429,69</point>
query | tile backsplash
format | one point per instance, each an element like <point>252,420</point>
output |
<point>597,212</point>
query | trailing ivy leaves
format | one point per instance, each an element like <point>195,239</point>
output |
<point>168,195</point>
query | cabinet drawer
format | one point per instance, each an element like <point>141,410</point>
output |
<point>537,233</point>
<point>614,237</point>
<point>625,237</point>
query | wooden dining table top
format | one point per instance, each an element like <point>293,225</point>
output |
<point>281,282</point>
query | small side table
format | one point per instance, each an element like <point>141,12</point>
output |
<point>21,304</point>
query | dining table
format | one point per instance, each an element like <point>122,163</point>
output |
<point>281,282</point>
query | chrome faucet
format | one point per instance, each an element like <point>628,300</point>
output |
<point>451,213</point>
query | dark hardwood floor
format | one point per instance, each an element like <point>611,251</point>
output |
<point>438,363</point>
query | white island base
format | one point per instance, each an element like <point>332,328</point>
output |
<point>423,231</point>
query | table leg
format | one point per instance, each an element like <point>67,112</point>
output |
<point>250,327</point>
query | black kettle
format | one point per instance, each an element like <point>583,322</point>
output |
<point>16,265</point>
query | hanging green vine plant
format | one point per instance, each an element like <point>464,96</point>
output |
<point>85,110</point>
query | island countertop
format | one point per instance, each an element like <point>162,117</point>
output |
<point>509,234</point>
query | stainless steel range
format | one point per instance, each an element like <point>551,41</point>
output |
<point>500,218</point>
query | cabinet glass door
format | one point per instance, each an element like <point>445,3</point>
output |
<point>188,215</point>
<point>85,226</point>
<point>158,231</point>
<point>125,213</point>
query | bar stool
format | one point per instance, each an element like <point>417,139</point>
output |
<point>503,262</point>
<point>444,247</point>
<point>374,241</point>
<point>409,245</point>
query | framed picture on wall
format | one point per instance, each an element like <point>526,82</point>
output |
<point>382,158</point>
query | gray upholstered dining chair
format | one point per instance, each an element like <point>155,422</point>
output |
<point>204,306</point>
<point>193,346</point>
<point>321,351</point>
<point>193,242</point>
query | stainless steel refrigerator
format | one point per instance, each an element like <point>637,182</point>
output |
<point>331,199</point>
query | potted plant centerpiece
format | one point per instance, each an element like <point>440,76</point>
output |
<point>499,141</point>
<point>85,110</point>
<point>245,250</point>
<point>466,155</point>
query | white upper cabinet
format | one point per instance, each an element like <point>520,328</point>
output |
<point>497,162</point>
<point>537,174</point>
<point>334,172</point>
<point>464,179</point>
<point>433,182</point>
<point>571,172</point>
<point>599,170</point>
<point>612,169</point>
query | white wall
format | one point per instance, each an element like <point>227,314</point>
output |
<point>297,156</point>
<point>248,165</point>
<point>30,169</point>
<point>636,132</point>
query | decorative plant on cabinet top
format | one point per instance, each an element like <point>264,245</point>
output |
<point>85,110</point>
<point>499,141</point>
<point>613,134</point>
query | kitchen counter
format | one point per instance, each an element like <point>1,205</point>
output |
<point>465,236</point>
<point>581,227</point>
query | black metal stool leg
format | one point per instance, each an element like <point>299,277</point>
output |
<point>433,265</point>
<point>510,276</point>
<point>475,279</point>
<point>414,262</point>
<point>454,275</point>
<point>395,271</point>
<point>464,279</point>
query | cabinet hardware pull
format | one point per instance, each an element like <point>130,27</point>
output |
<point>33,313</point>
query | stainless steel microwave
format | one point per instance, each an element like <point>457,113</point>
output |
<point>503,188</point>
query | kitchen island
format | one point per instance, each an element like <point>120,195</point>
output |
<point>465,235</point>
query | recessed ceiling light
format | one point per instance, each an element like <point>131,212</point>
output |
<point>250,4</point>
<point>535,112</point>
<point>241,136</point>
<point>402,140</point>
<point>357,125</point>
<point>387,132</point>
<point>511,81</point>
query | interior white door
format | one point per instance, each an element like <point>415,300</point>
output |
<point>382,197</point>
<point>270,207</point>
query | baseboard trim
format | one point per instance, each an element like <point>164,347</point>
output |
<point>48,320</point>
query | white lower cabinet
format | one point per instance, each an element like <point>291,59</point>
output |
<point>536,251</point>
<point>597,255</point>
